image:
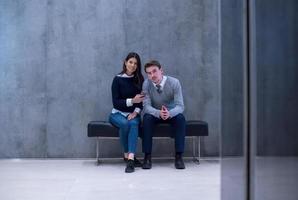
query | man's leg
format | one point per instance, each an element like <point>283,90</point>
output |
<point>148,127</point>
<point>178,124</point>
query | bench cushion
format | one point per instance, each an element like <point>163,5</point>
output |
<point>102,129</point>
<point>105,129</point>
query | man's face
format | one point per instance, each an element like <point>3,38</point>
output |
<point>154,74</point>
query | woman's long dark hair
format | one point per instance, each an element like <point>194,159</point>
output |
<point>138,77</point>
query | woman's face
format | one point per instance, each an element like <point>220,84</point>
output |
<point>131,66</point>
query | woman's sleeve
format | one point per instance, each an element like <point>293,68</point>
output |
<point>139,105</point>
<point>118,103</point>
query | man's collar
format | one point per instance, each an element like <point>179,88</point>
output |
<point>163,81</point>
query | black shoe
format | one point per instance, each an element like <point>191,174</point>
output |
<point>130,167</point>
<point>179,164</point>
<point>137,163</point>
<point>147,164</point>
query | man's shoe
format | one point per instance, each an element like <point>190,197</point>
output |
<point>179,164</point>
<point>147,164</point>
<point>130,166</point>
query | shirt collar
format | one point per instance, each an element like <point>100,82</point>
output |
<point>162,83</point>
<point>124,75</point>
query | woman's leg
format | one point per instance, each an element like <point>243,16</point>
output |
<point>121,122</point>
<point>133,136</point>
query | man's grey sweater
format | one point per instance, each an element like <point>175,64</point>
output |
<point>170,97</point>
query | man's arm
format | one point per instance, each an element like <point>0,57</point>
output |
<point>147,107</point>
<point>178,100</point>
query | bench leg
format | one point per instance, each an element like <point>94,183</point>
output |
<point>196,150</point>
<point>199,148</point>
<point>97,151</point>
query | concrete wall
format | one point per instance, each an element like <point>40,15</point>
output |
<point>58,58</point>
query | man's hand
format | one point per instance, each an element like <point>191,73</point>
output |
<point>164,113</point>
<point>132,115</point>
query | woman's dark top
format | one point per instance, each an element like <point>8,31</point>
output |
<point>122,89</point>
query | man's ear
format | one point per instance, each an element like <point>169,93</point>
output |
<point>161,70</point>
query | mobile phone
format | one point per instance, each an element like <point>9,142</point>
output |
<point>142,94</point>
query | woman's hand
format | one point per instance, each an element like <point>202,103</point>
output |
<point>138,98</point>
<point>132,115</point>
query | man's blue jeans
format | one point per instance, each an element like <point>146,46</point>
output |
<point>128,131</point>
<point>178,131</point>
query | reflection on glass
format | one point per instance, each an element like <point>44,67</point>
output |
<point>233,162</point>
<point>275,138</point>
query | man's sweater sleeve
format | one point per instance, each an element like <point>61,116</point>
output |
<point>147,107</point>
<point>178,100</point>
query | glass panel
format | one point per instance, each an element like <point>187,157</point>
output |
<point>233,62</point>
<point>274,67</point>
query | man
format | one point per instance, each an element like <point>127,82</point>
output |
<point>163,103</point>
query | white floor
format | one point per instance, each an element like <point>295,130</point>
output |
<point>273,178</point>
<point>28,179</point>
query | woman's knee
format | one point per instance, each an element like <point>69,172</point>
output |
<point>134,122</point>
<point>118,120</point>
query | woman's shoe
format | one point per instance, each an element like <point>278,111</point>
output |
<point>130,166</point>
<point>137,163</point>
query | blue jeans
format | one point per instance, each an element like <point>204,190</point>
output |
<point>128,131</point>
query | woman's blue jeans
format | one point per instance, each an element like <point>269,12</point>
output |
<point>128,131</point>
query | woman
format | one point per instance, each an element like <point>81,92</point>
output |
<point>127,102</point>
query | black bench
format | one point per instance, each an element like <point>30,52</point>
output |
<point>194,129</point>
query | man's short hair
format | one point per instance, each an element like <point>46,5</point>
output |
<point>151,63</point>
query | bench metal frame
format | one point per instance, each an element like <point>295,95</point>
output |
<point>196,147</point>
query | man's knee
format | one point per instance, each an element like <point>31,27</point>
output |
<point>148,118</point>
<point>180,118</point>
